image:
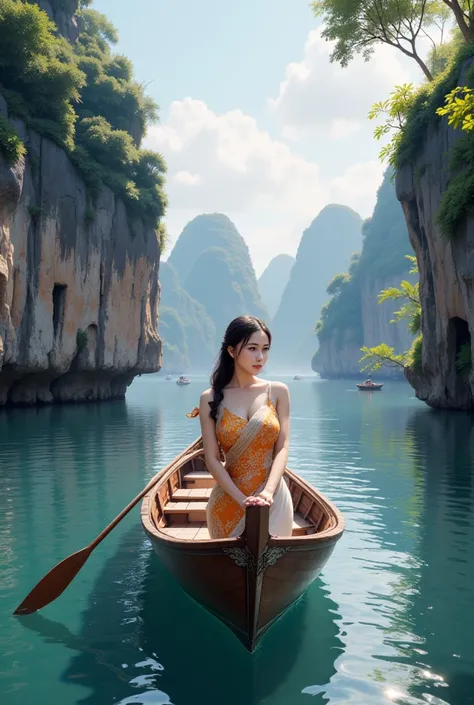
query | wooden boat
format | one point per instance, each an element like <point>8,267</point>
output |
<point>298,377</point>
<point>182,380</point>
<point>370,387</point>
<point>249,581</point>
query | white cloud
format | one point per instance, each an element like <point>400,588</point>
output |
<point>186,178</point>
<point>319,95</point>
<point>357,187</point>
<point>226,163</point>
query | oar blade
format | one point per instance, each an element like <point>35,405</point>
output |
<point>53,583</point>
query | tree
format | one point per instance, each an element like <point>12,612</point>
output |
<point>463,12</point>
<point>384,356</point>
<point>337,283</point>
<point>459,108</point>
<point>357,26</point>
<point>395,110</point>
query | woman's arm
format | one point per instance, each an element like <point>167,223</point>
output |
<point>211,451</point>
<point>280,457</point>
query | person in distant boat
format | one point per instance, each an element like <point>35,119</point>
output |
<point>249,419</point>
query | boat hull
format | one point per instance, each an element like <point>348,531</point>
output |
<point>373,388</point>
<point>250,581</point>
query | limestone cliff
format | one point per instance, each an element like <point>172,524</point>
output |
<point>446,272</point>
<point>78,289</point>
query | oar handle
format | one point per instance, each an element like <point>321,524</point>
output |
<point>184,459</point>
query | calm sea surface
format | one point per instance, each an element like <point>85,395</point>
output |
<point>390,621</point>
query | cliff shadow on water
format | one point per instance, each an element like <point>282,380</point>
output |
<point>143,640</point>
<point>443,602</point>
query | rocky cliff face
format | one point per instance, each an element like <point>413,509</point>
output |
<point>446,273</point>
<point>339,355</point>
<point>78,287</point>
<point>62,12</point>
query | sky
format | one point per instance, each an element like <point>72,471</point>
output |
<point>255,121</point>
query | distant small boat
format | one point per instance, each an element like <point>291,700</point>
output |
<point>182,380</point>
<point>298,377</point>
<point>369,387</point>
<point>168,378</point>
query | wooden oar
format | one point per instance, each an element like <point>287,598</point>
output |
<point>56,581</point>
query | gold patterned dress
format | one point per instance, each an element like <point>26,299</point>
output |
<point>248,448</point>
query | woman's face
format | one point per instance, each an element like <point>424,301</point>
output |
<point>252,356</point>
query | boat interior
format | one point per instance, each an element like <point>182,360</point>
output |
<point>179,507</point>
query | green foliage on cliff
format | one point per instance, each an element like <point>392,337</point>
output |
<point>37,68</point>
<point>343,312</point>
<point>394,110</point>
<point>422,111</point>
<point>382,355</point>
<point>458,197</point>
<point>409,113</point>
<point>110,90</point>
<point>85,98</point>
<point>11,146</point>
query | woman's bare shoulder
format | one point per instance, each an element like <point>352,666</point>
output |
<point>280,388</point>
<point>207,395</point>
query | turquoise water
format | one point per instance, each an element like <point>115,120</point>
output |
<point>390,621</point>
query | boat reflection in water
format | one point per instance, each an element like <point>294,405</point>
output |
<point>143,640</point>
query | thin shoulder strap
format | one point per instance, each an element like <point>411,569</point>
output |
<point>269,391</point>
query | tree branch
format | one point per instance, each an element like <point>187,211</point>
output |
<point>463,20</point>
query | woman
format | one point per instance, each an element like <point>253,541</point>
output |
<point>249,419</point>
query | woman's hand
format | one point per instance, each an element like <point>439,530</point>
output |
<point>263,499</point>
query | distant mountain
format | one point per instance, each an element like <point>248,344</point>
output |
<point>324,251</point>
<point>189,334</point>
<point>273,281</point>
<point>353,317</point>
<point>213,265</point>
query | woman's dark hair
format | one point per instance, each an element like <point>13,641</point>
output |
<point>238,333</point>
